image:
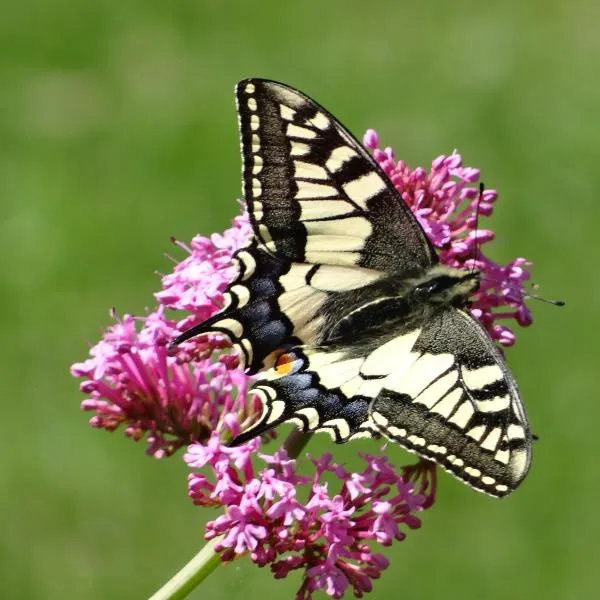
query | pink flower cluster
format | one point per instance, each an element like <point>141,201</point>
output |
<point>447,206</point>
<point>199,398</point>
<point>132,380</point>
<point>291,521</point>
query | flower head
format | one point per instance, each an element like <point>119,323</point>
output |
<point>329,523</point>
<point>329,535</point>
<point>132,380</point>
<point>447,205</point>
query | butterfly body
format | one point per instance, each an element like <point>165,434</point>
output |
<point>343,310</point>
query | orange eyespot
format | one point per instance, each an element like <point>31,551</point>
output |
<point>284,364</point>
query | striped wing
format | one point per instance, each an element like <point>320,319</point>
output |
<point>441,391</point>
<point>313,192</point>
<point>326,221</point>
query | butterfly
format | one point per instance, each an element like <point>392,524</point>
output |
<point>343,309</point>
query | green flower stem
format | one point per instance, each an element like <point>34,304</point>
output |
<point>200,567</point>
<point>295,442</point>
<point>207,560</point>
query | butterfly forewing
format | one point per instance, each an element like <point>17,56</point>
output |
<point>314,194</point>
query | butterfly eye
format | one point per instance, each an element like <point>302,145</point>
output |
<point>288,363</point>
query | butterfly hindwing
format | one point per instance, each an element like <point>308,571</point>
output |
<point>305,387</point>
<point>274,303</point>
<point>441,391</point>
<point>458,405</point>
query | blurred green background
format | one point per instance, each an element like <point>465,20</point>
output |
<point>118,130</point>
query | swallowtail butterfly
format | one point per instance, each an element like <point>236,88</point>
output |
<point>343,309</point>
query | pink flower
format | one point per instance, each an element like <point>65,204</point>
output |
<point>131,379</point>
<point>447,205</point>
<point>329,523</point>
<point>330,535</point>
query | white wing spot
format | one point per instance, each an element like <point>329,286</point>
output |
<point>307,170</point>
<point>320,121</point>
<point>446,406</point>
<point>252,104</point>
<point>256,187</point>
<point>300,132</point>
<point>254,122</point>
<point>476,379</point>
<point>312,416</point>
<point>361,435</point>
<point>425,369</point>
<point>495,404</point>
<point>477,432</point>
<point>307,189</point>
<point>518,462</point>
<point>488,480</point>
<point>502,456</point>
<point>416,440</point>
<point>515,432</point>
<point>437,390</point>
<point>336,374</point>
<point>233,326</point>
<point>492,439</point>
<point>463,415</point>
<point>242,294</point>
<point>255,143</point>
<point>472,472</point>
<point>379,419</point>
<point>247,264</point>
<point>249,89</point>
<point>393,356</point>
<point>286,112</point>
<point>322,209</point>
<point>341,425</point>
<point>264,234</point>
<point>338,157</point>
<point>352,386</point>
<point>396,431</point>
<point>341,279</point>
<point>247,348</point>
<point>277,409</point>
<point>257,166</point>
<point>299,149</point>
<point>362,189</point>
<point>329,244</point>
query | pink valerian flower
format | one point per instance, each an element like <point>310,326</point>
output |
<point>132,380</point>
<point>447,206</point>
<point>197,283</point>
<point>329,535</point>
<point>199,398</point>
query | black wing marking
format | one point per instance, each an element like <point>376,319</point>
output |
<point>313,192</point>
<point>459,406</point>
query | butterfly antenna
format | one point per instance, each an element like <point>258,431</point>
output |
<point>546,300</point>
<point>477,253</point>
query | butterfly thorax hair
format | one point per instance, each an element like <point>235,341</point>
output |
<point>397,303</point>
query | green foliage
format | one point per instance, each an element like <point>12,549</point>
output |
<point>118,130</point>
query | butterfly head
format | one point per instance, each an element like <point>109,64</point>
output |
<point>447,286</point>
